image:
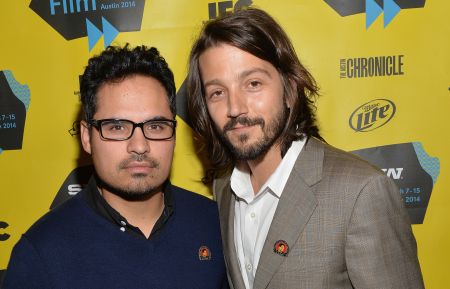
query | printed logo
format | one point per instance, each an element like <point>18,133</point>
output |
<point>372,115</point>
<point>393,173</point>
<point>411,168</point>
<point>73,184</point>
<point>204,254</point>
<point>4,236</point>
<point>221,8</point>
<point>373,8</point>
<point>361,67</point>
<point>74,19</point>
<point>14,103</point>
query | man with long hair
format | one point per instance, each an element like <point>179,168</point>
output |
<point>295,212</point>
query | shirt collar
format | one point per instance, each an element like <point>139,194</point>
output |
<point>241,183</point>
<point>99,204</point>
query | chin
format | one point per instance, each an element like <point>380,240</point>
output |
<point>132,190</point>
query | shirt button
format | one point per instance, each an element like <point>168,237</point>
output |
<point>249,267</point>
<point>122,229</point>
<point>123,223</point>
<point>252,215</point>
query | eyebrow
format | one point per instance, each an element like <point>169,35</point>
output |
<point>241,75</point>
<point>157,118</point>
<point>246,73</point>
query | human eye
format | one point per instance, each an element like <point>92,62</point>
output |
<point>115,126</point>
<point>157,127</point>
<point>216,93</point>
<point>254,84</point>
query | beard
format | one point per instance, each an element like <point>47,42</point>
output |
<point>271,132</point>
<point>139,188</point>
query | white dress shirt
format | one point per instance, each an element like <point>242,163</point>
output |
<point>254,212</point>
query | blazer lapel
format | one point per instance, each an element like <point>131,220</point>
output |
<point>226,201</point>
<point>296,205</point>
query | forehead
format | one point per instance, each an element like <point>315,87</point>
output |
<point>133,96</point>
<point>228,60</point>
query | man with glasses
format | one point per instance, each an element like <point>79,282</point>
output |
<point>129,228</point>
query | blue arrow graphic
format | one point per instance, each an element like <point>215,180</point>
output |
<point>391,9</point>
<point>93,33</point>
<point>373,10</point>
<point>110,32</point>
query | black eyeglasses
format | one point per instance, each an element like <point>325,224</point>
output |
<point>123,129</point>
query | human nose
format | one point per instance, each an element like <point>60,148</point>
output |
<point>138,143</point>
<point>237,104</point>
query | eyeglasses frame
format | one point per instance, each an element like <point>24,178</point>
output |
<point>97,123</point>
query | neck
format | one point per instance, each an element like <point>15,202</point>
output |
<point>142,214</point>
<point>263,167</point>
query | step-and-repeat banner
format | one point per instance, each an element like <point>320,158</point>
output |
<point>383,67</point>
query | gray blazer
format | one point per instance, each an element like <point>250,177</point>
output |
<point>343,220</point>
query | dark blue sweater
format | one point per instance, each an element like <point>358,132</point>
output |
<point>74,247</point>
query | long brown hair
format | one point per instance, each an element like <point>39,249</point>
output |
<point>257,33</point>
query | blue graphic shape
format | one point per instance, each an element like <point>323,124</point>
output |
<point>391,9</point>
<point>431,165</point>
<point>22,92</point>
<point>110,32</point>
<point>1,151</point>
<point>373,10</point>
<point>93,33</point>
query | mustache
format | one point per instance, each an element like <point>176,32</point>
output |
<point>151,162</point>
<point>243,120</point>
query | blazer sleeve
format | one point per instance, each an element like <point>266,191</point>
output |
<point>25,269</point>
<point>380,248</point>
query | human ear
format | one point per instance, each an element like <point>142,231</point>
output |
<point>85,136</point>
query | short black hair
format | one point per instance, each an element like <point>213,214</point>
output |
<point>116,63</point>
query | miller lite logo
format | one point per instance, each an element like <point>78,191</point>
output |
<point>372,115</point>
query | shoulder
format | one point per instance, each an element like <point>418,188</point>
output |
<point>342,174</point>
<point>58,221</point>
<point>338,162</point>
<point>359,182</point>
<point>197,212</point>
<point>186,199</point>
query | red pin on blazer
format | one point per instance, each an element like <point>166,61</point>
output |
<point>281,248</point>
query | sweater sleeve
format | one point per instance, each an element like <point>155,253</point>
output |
<point>25,269</point>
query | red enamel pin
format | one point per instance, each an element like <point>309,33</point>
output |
<point>204,253</point>
<point>281,248</point>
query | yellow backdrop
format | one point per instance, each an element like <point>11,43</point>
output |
<point>383,68</point>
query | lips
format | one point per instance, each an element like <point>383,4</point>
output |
<point>140,165</point>
<point>241,127</point>
<point>139,168</point>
